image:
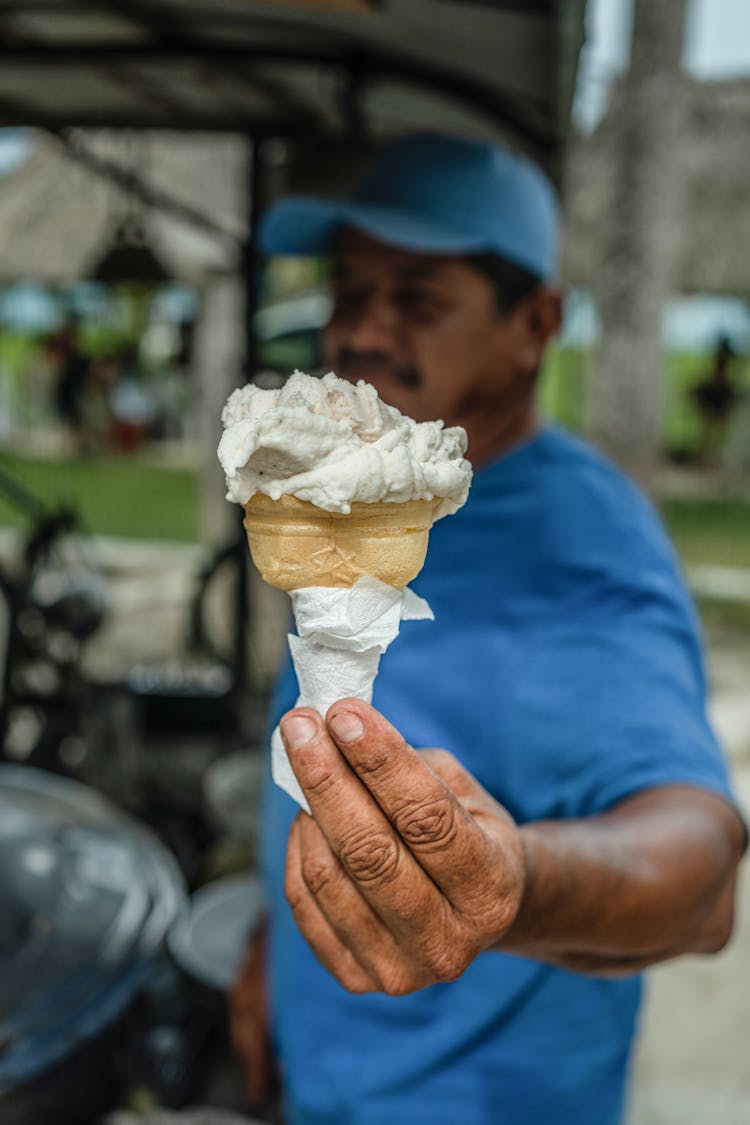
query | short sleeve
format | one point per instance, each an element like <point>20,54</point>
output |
<point>613,696</point>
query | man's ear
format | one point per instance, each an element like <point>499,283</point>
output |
<point>540,316</point>
<point>545,312</point>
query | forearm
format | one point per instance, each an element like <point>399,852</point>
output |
<point>612,894</point>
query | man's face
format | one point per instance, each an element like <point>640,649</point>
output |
<point>426,332</point>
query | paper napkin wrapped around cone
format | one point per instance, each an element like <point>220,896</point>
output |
<point>342,633</point>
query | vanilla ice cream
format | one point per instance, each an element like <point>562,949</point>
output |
<point>340,491</point>
<point>335,444</point>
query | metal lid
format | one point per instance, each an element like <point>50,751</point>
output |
<point>210,935</point>
<point>88,895</point>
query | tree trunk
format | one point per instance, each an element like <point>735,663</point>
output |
<point>635,272</point>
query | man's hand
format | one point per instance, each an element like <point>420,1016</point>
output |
<point>248,1023</point>
<point>407,868</point>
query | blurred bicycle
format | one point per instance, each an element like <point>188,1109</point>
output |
<point>52,604</point>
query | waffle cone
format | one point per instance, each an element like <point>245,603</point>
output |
<point>296,544</point>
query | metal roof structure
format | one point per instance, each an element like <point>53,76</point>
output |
<point>332,78</point>
<point>294,68</point>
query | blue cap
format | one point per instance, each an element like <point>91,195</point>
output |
<point>436,195</point>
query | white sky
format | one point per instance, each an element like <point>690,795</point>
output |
<point>717,35</point>
<point>718,39</point>
<point>717,45</point>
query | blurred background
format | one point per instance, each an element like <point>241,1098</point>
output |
<point>138,143</point>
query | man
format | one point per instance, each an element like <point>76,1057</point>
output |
<point>466,926</point>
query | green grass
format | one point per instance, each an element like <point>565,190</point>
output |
<point>17,351</point>
<point>137,499</point>
<point>562,392</point>
<point>724,615</point>
<point>132,499</point>
<point>713,531</point>
<point>562,387</point>
<point>709,532</point>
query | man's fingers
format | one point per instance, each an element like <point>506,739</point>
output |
<point>473,796</point>
<point>320,935</point>
<point>351,917</point>
<point>409,845</point>
<point>438,829</point>
<point>359,834</point>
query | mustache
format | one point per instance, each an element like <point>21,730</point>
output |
<point>350,362</point>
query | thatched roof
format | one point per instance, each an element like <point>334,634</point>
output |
<point>713,251</point>
<point>57,215</point>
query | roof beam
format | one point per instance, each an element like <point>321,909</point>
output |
<point>17,114</point>
<point>539,130</point>
<point>131,182</point>
<point>155,21</point>
<point>143,10</point>
<point>147,17</point>
<point>147,92</point>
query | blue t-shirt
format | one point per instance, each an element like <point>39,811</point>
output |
<point>563,669</point>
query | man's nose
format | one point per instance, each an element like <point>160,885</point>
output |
<point>373,325</point>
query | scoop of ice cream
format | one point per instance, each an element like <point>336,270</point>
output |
<point>334,444</point>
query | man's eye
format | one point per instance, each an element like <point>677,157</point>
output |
<point>349,298</point>
<point>419,302</point>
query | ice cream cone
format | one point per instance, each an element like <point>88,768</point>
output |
<point>295,544</point>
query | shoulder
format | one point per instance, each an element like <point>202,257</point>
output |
<point>576,471</point>
<point>587,502</point>
<point>555,518</point>
<point>575,523</point>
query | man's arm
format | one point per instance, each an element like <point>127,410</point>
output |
<point>650,879</point>
<point>408,869</point>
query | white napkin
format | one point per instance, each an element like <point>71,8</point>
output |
<point>342,635</point>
